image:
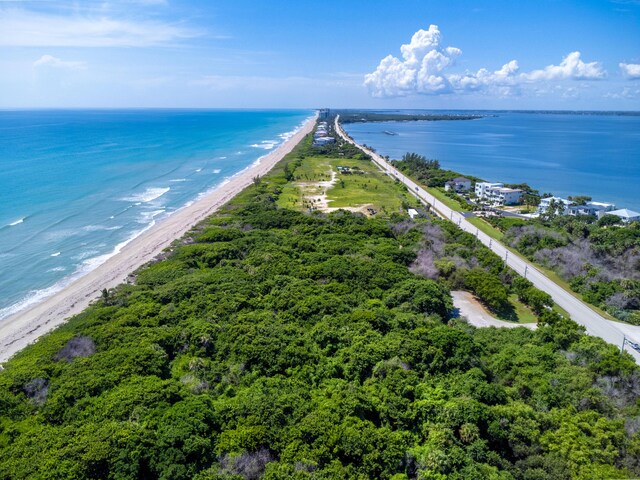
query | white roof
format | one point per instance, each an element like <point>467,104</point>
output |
<point>625,213</point>
<point>507,190</point>
<point>557,199</point>
<point>600,204</point>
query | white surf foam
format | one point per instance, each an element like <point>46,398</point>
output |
<point>84,255</point>
<point>100,228</point>
<point>216,170</point>
<point>56,254</point>
<point>148,195</point>
<point>36,296</point>
<point>16,222</point>
<point>178,180</point>
<point>33,297</point>
<point>146,217</point>
<point>265,144</point>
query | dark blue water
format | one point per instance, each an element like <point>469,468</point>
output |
<point>564,154</point>
<point>75,186</point>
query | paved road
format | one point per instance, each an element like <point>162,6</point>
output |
<point>580,312</point>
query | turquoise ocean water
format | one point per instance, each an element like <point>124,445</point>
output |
<point>564,154</point>
<point>76,186</point>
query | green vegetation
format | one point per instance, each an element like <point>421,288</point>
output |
<point>450,199</point>
<point>427,172</point>
<point>274,343</point>
<point>485,227</point>
<point>359,187</point>
<point>596,259</point>
<point>350,116</point>
<point>523,313</point>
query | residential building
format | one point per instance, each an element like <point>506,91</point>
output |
<point>562,204</point>
<point>597,209</point>
<point>459,184</point>
<point>626,215</point>
<point>320,141</point>
<point>481,188</point>
<point>503,196</point>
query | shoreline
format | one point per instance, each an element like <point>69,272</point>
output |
<point>26,326</point>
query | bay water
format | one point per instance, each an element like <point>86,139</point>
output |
<point>594,154</point>
<point>77,185</point>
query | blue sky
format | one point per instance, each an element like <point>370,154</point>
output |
<point>543,54</point>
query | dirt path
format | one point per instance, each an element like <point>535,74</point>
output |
<point>316,194</point>
<point>478,316</point>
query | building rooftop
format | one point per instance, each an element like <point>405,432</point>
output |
<point>600,204</point>
<point>625,213</point>
<point>508,190</point>
<point>557,199</point>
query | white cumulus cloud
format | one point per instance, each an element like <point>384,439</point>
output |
<point>425,68</point>
<point>419,71</point>
<point>483,78</point>
<point>630,70</point>
<point>571,67</point>
<point>51,61</point>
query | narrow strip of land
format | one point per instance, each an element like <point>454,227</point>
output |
<point>580,312</point>
<point>23,328</point>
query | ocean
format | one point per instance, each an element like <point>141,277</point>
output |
<point>565,154</point>
<point>77,185</point>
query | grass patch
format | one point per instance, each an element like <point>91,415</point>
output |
<point>486,228</point>
<point>367,186</point>
<point>371,187</point>
<point>522,312</point>
<point>449,202</point>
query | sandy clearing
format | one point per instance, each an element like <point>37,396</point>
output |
<point>478,316</point>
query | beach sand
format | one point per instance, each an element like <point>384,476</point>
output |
<point>23,328</point>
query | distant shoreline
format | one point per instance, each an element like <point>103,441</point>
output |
<point>23,328</point>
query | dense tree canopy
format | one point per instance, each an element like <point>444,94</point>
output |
<point>278,344</point>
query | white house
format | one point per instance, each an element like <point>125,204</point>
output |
<point>319,141</point>
<point>562,205</point>
<point>459,184</point>
<point>626,215</point>
<point>591,208</point>
<point>503,196</point>
<point>481,188</point>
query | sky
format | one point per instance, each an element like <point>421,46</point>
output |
<point>432,54</point>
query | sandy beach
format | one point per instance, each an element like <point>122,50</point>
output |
<point>23,328</point>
